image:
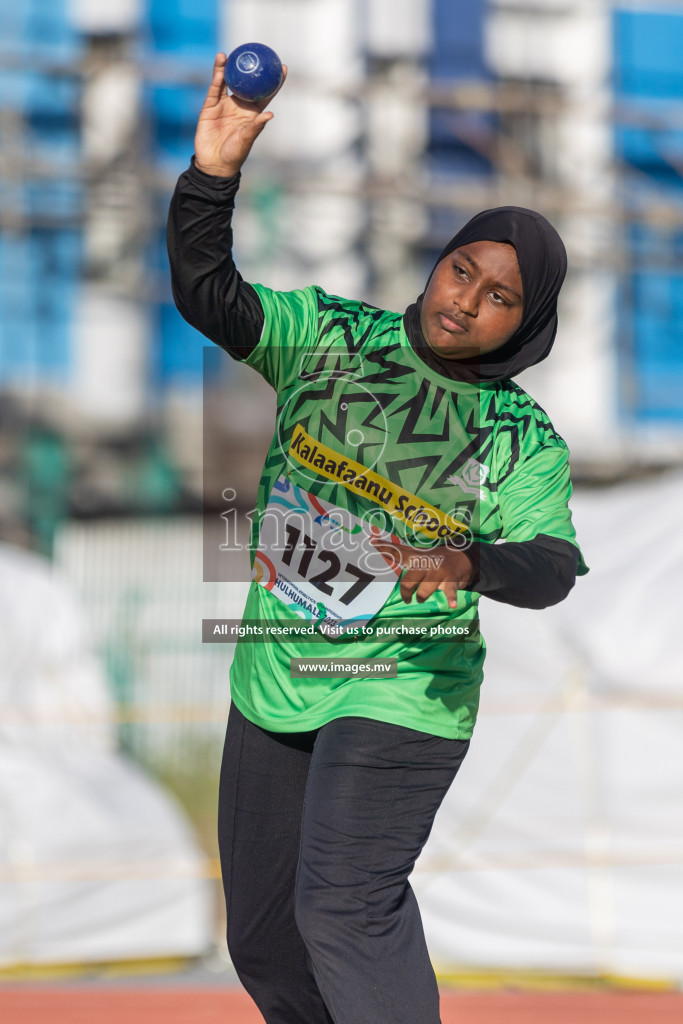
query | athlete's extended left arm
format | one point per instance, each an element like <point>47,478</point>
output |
<point>530,574</point>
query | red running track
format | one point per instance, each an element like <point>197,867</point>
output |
<point>211,1006</point>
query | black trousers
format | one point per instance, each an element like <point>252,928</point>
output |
<point>318,834</point>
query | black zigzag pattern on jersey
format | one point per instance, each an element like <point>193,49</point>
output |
<point>381,366</point>
<point>397,467</point>
<point>465,436</point>
<point>426,401</point>
<point>345,321</point>
<point>478,425</point>
<point>515,422</point>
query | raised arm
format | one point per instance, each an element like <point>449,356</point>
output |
<point>227,127</point>
<point>207,287</point>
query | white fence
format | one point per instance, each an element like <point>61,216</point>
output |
<point>142,588</point>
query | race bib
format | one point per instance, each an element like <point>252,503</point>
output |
<point>319,561</point>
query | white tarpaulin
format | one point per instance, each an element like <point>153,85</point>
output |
<point>96,861</point>
<point>560,844</point>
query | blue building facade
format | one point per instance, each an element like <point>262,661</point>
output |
<point>40,245</point>
<point>43,200</point>
<point>648,82</point>
<point>459,140</point>
<point>458,53</point>
<point>189,34</point>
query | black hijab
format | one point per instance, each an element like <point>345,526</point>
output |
<point>542,262</point>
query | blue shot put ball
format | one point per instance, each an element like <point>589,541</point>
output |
<point>253,72</point>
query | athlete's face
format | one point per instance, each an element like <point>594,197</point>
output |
<point>473,303</point>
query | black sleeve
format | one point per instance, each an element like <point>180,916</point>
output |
<point>530,574</point>
<point>207,287</point>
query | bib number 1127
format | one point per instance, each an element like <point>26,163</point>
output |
<point>308,558</point>
<point>332,560</point>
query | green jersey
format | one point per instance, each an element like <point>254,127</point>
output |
<point>370,440</point>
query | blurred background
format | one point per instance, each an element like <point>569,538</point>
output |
<point>123,434</point>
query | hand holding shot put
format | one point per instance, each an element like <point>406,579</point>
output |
<point>228,126</point>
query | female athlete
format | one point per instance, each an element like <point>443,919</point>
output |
<point>407,477</point>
